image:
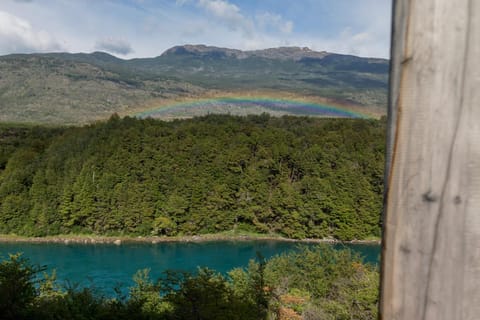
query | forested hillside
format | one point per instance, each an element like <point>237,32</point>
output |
<point>294,176</point>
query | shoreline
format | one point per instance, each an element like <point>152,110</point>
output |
<point>119,240</point>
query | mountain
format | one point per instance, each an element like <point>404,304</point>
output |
<point>282,53</point>
<point>77,88</point>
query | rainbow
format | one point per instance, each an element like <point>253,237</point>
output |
<point>245,105</point>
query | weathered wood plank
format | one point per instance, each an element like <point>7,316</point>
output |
<point>431,253</point>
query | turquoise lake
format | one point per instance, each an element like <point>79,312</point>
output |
<point>106,266</point>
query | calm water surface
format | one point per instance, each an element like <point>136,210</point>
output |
<point>107,265</point>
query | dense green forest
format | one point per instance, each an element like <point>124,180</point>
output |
<point>312,284</point>
<point>294,176</point>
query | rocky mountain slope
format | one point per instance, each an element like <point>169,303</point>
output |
<point>80,88</point>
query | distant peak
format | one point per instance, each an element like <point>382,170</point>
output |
<point>201,49</point>
<point>280,53</point>
<point>101,53</point>
<point>289,53</point>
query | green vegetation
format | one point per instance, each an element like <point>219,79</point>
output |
<point>298,177</point>
<point>345,77</point>
<point>318,283</point>
<point>62,88</point>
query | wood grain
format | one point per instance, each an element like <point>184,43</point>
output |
<point>431,244</point>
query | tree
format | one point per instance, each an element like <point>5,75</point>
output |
<point>17,287</point>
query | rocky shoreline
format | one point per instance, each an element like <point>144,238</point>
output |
<point>84,239</point>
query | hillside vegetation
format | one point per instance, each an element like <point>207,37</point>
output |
<point>63,88</point>
<point>295,176</point>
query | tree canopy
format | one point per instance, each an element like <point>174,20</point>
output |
<point>294,176</point>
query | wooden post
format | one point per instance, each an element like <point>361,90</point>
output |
<point>431,240</point>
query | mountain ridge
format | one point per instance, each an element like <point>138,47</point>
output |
<point>284,52</point>
<point>76,88</point>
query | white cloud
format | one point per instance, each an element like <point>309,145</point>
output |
<point>229,14</point>
<point>363,43</point>
<point>274,21</point>
<point>114,45</point>
<point>221,8</point>
<point>17,35</point>
<point>360,27</point>
<point>229,26</point>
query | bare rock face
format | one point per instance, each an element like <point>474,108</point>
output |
<point>289,53</point>
<point>281,53</point>
<point>203,50</point>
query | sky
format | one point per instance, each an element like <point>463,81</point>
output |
<point>146,28</point>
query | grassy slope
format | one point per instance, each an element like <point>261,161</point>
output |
<point>81,88</point>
